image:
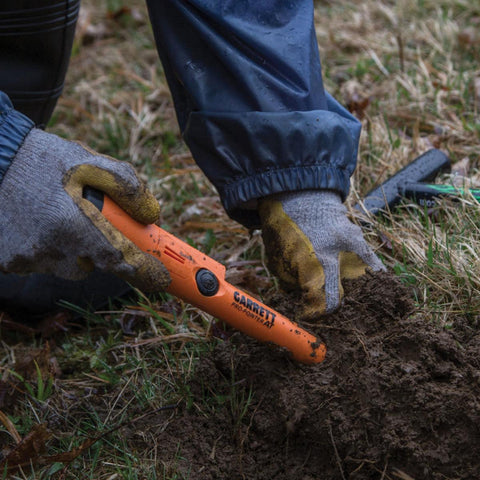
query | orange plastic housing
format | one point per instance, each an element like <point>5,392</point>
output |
<point>225,302</point>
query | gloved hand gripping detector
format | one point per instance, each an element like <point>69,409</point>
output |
<point>200,281</point>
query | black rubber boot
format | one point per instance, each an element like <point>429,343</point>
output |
<point>36,38</point>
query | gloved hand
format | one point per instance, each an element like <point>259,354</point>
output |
<point>46,226</point>
<point>312,245</point>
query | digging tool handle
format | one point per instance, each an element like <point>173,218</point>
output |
<point>423,169</point>
<point>200,281</point>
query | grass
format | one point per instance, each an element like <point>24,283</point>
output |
<point>408,69</point>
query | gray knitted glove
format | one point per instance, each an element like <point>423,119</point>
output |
<point>312,245</point>
<point>46,226</point>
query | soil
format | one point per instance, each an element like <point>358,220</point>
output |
<point>396,397</point>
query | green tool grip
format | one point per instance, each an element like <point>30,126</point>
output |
<point>425,194</point>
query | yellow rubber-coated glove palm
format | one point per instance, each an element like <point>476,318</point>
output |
<point>312,245</point>
<point>47,226</point>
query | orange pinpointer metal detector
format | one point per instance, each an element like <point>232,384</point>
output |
<point>200,281</point>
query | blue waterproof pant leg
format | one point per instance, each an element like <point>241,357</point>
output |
<point>247,85</point>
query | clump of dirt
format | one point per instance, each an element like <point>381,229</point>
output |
<point>396,397</point>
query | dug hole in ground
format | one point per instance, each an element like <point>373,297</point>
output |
<point>396,397</point>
